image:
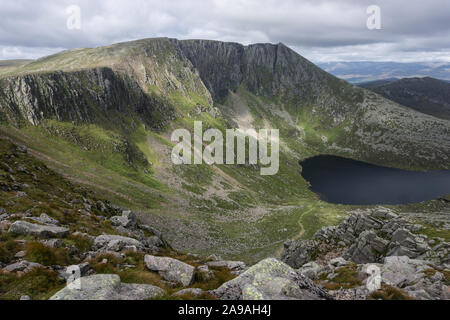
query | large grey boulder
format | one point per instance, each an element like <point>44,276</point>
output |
<point>37,230</point>
<point>402,271</point>
<point>22,266</point>
<point>270,279</point>
<point>171,269</point>
<point>115,243</point>
<point>134,291</point>
<point>107,287</point>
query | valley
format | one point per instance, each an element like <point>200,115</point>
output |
<point>103,117</point>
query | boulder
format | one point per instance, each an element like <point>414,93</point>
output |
<point>22,266</point>
<point>37,230</point>
<point>133,291</point>
<point>310,270</point>
<point>402,271</point>
<point>171,269</point>
<point>20,254</point>
<point>107,287</point>
<point>115,243</point>
<point>338,262</point>
<point>270,279</point>
<point>127,220</point>
<point>191,292</point>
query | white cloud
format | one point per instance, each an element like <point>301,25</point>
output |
<point>321,30</point>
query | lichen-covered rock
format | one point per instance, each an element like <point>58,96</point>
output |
<point>37,230</point>
<point>171,269</point>
<point>402,271</point>
<point>22,266</point>
<point>107,287</point>
<point>191,292</point>
<point>134,291</point>
<point>115,243</point>
<point>270,279</point>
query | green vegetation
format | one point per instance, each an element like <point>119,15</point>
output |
<point>38,284</point>
<point>389,293</point>
<point>39,253</point>
<point>346,277</point>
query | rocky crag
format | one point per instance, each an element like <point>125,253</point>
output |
<point>343,257</point>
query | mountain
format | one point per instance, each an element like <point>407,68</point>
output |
<point>426,95</point>
<point>365,71</point>
<point>375,83</point>
<point>103,117</point>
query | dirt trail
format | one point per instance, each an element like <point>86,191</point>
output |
<point>298,235</point>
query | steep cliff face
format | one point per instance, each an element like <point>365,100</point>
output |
<point>265,69</point>
<point>219,64</point>
<point>87,96</point>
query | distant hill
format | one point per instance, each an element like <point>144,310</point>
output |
<point>16,62</point>
<point>365,71</point>
<point>427,95</point>
<point>376,83</point>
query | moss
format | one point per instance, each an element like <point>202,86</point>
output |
<point>39,253</point>
<point>346,277</point>
<point>389,293</point>
<point>8,249</point>
<point>221,275</point>
<point>81,243</point>
<point>39,284</point>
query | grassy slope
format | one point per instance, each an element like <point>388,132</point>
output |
<point>230,210</point>
<point>249,220</point>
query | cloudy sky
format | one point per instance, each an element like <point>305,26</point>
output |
<point>320,30</point>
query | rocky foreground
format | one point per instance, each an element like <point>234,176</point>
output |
<point>61,242</point>
<point>376,244</point>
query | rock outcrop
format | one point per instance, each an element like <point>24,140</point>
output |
<point>37,230</point>
<point>375,240</point>
<point>171,269</point>
<point>270,279</point>
<point>106,287</point>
